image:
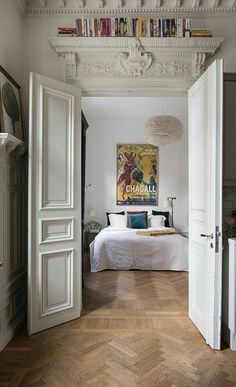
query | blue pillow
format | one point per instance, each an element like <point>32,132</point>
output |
<point>138,220</point>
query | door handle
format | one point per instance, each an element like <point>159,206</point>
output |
<point>207,236</point>
<point>1,264</point>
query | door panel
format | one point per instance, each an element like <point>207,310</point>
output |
<point>205,203</point>
<point>54,279</point>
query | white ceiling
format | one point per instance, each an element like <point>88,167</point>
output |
<point>105,108</point>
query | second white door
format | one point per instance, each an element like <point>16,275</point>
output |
<point>205,203</point>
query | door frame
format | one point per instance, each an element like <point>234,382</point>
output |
<point>145,94</point>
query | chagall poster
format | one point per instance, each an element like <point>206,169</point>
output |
<point>137,175</point>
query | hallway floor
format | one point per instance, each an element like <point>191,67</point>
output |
<point>134,332</point>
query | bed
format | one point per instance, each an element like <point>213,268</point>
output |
<point>122,249</point>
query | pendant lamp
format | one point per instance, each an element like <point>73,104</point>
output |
<point>163,130</point>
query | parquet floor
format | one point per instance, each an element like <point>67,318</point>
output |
<point>134,332</point>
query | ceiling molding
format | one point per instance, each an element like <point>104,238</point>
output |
<point>142,7</point>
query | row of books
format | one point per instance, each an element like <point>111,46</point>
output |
<point>133,27</point>
<point>138,27</point>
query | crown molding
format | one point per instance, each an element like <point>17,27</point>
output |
<point>137,7</point>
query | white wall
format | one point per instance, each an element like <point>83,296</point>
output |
<point>11,35</point>
<point>121,120</point>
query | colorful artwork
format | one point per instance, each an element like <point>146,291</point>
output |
<point>136,174</point>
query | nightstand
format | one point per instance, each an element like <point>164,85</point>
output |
<point>89,237</point>
<point>91,230</point>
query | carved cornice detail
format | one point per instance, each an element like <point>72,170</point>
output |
<point>208,45</point>
<point>136,61</point>
<point>165,7</point>
<point>107,62</point>
<point>71,65</point>
<point>199,63</point>
<point>98,69</point>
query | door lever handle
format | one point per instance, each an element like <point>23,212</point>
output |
<point>207,236</point>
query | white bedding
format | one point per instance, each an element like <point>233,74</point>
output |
<point>122,249</point>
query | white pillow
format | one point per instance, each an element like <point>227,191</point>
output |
<point>117,220</point>
<point>156,221</point>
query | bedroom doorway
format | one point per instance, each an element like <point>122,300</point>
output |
<point>204,104</point>
<point>121,120</point>
<point>50,258</point>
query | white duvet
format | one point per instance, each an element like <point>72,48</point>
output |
<point>122,249</point>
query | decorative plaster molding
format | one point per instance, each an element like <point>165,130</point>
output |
<point>105,62</point>
<point>71,65</point>
<point>199,65</point>
<point>120,3</point>
<point>136,62</point>
<point>184,45</point>
<point>164,7</point>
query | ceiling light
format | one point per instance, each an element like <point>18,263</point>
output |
<point>163,130</point>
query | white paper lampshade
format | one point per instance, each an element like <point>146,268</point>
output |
<point>163,130</point>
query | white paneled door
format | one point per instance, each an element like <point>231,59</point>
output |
<point>205,203</point>
<point>54,265</point>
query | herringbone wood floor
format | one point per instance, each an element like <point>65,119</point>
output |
<point>134,332</point>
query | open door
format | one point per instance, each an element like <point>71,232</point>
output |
<point>54,230</point>
<point>205,202</point>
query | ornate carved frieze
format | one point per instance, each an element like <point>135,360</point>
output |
<point>98,69</point>
<point>106,62</point>
<point>167,7</point>
<point>136,61</point>
<point>171,69</point>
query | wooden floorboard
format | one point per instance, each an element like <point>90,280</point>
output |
<point>134,332</point>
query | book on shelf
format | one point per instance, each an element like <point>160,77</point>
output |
<point>201,33</point>
<point>66,31</point>
<point>132,27</point>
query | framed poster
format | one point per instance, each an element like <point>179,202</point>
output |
<point>137,177</point>
<point>10,106</point>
